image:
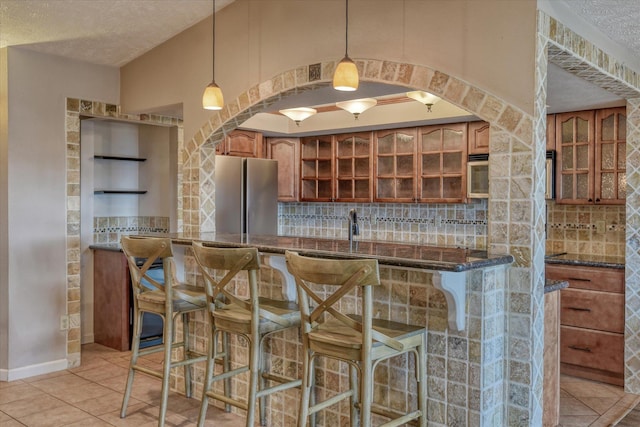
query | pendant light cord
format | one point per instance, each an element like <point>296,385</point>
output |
<point>346,29</point>
<point>213,33</point>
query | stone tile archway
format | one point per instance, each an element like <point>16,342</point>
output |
<point>516,206</point>
<point>565,48</point>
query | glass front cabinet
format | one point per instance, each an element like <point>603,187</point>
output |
<point>591,157</point>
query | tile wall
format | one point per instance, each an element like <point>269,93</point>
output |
<point>464,369</point>
<point>109,229</point>
<point>574,229</point>
<point>457,225</point>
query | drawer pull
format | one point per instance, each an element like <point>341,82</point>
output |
<point>578,279</point>
<point>579,308</point>
<point>575,347</point>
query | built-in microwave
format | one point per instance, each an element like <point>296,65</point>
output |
<point>478,176</point>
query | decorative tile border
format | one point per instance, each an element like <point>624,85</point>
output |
<point>580,57</point>
<point>110,229</point>
<point>75,109</point>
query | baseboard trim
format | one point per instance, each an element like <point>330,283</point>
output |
<point>33,370</point>
<point>87,339</point>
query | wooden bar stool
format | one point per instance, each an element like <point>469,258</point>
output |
<point>356,339</point>
<point>253,318</point>
<point>168,299</point>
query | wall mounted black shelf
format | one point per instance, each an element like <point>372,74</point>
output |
<point>119,191</point>
<point>110,157</point>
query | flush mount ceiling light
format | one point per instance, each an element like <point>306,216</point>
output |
<point>298,114</point>
<point>357,106</point>
<point>424,97</point>
<point>345,77</point>
<point>212,98</point>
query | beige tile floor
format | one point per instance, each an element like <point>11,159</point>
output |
<point>589,403</point>
<point>90,396</point>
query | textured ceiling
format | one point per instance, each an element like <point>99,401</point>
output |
<point>617,19</point>
<point>105,32</point>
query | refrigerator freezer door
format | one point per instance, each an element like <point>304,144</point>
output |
<point>229,178</point>
<point>261,196</point>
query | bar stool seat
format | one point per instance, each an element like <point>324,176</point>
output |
<point>329,330</point>
<point>252,317</point>
<point>168,298</point>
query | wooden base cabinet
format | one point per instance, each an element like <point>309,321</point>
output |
<point>111,299</point>
<point>592,322</point>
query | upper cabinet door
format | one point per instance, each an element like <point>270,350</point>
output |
<point>442,157</point>
<point>316,169</point>
<point>287,152</point>
<point>575,136</point>
<point>478,138</point>
<point>241,143</point>
<point>353,167</point>
<point>610,156</point>
<point>395,165</point>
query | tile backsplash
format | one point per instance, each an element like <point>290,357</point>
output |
<point>459,225</point>
<point>596,230</point>
<point>108,229</point>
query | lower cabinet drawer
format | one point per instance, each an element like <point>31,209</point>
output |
<point>592,349</point>
<point>603,311</point>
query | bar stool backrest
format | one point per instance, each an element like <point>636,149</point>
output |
<point>151,249</point>
<point>232,261</point>
<point>346,275</point>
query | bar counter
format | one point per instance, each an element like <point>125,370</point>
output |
<point>458,294</point>
<point>387,253</point>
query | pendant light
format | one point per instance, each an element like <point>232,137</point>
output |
<point>357,106</point>
<point>345,77</point>
<point>298,114</point>
<point>212,98</point>
<point>425,98</point>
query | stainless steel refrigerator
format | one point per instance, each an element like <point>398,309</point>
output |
<point>246,195</point>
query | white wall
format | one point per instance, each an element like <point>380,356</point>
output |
<point>485,43</point>
<point>156,173</point>
<point>36,278</point>
<point>4,291</point>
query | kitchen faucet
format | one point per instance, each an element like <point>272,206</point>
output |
<point>354,230</point>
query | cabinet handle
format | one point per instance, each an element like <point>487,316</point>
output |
<point>590,200</point>
<point>597,200</point>
<point>585,349</point>
<point>578,279</point>
<point>579,308</point>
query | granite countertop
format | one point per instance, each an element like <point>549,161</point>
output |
<point>387,253</point>
<point>555,285</point>
<point>605,261</point>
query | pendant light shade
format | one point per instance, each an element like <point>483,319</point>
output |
<point>298,114</point>
<point>212,98</point>
<point>357,106</point>
<point>426,98</point>
<point>345,77</point>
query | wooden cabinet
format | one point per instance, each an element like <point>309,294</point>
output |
<point>428,164</point>
<point>287,152</point>
<point>551,132</point>
<point>111,299</point>
<point>551,360</point>
<point>442,157</point>
<point>241,143</point>
<point>592,322</point>
<point>316,169</point>
<point>395,168</point>
<point>353,167</point>
<point>591,158</point>
<point>478,138</point>
<point>610,156</point>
